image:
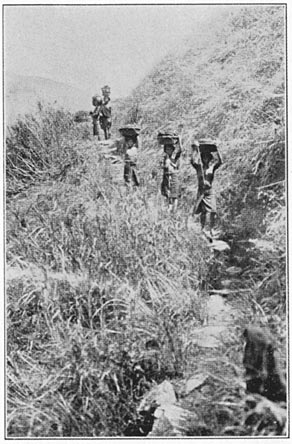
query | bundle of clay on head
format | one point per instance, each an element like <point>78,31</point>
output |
<point>96,102</point>
<point>130,134</point>
<point>172,149</point>
<point>206,159</point>
<point>106,112</point>
<point>263,373</point>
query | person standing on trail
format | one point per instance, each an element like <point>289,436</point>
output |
<point>171,163</point>
<point>206,160</point>
<point>95,114</point>
<point>105,118</point>
<point>131,155</point>
<point>131,144</point>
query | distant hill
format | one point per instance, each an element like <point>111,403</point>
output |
<point>22,93</point>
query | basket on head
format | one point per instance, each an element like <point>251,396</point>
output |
<point>96,100</point>
<point>205,145</point>
<point>106,90</point>
<point>168,138</point>
<point>130,131</point>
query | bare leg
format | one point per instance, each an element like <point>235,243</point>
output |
<point>203,219</point>
<point>212,222</point>
<point>96,130</point>
<point>175,202</point>
<point>208,220</point>
<point>205,224</point>
<point>172,205</point>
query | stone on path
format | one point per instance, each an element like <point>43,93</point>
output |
<point>222,292</point>
<point>233,271</point>
<point>227,283</point>
<point>218,311</point>
<point>161,394</point>
<point>169,418</point>
<point>194,382</point>
<point>219,317</point>
<point>219,245</point>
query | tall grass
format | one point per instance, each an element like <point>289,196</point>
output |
<point>94,272</point>
<point>40,147</point>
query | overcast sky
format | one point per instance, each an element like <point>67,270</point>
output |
<point>89,46</point>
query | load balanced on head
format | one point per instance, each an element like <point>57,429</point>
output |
<point>170,181</point>
<point>206,159</point>
<point>130,134</point>
<point>101,116</point>
<point>95,114</point>
<point>106,112</point>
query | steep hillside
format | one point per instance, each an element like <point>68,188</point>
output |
<point>221,85</point>
<point>22,93</point>
<point>108,294</point>
<point>228,85</point>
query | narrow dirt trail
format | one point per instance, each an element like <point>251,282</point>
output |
<point>209,369</point>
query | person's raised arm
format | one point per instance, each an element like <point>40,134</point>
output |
<point>179,151</point>
<point>195,158</point>
<point>218,160</point>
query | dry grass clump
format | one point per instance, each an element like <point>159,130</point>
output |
<point>40,147</point>
<point>94,272</point>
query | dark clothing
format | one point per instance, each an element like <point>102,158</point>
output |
<point>105,118</point>
<point>106,111</point>
<point>130,173</point>
<point>95,121</point>
<point>105,125</point>
<point>96,128</point>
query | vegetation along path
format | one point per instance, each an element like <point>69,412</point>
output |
<point>121,319</point>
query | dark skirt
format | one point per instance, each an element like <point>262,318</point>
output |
<point>170,185</point>
<point>130,174</point>
<point>105,122</point>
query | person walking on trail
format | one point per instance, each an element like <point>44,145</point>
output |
<point>95,114</point>
<point>131,156</point>
<point>105,118</point>
<point>171,163</point>
<point>206,160</point>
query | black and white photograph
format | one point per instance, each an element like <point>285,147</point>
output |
<point>145,221</point>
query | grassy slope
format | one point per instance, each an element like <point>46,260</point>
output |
<point>230,85</point>
<point>95,271</point>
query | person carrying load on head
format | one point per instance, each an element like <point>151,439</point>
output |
<point>131,145</point>
<point>206,159</point>
<point>95,114</point>
<point>105,118</point>
<point>171,162</point>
